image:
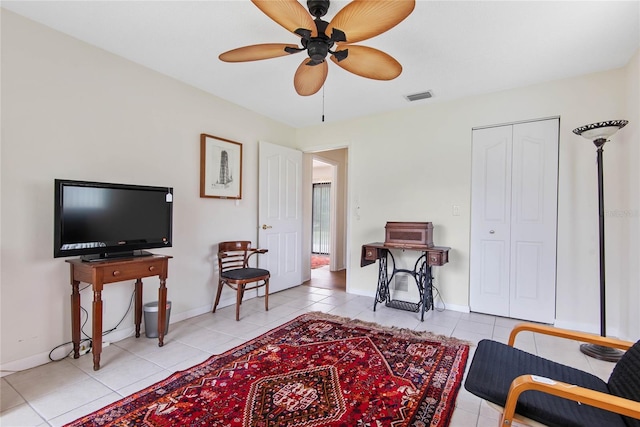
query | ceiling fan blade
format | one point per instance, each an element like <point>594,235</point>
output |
<point>257,52</point>
<point>310,78</point>
<point>363,19</point>
<point>369,62</point>
<point>288,13</point>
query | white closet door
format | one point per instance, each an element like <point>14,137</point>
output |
<point>490,221</point>
<point>533,221</point>
<point>513,225</point>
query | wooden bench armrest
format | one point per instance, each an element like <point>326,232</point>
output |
<point>568,334</point>
<point>608,402</point>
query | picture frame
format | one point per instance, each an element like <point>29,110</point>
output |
<point>220,168</point>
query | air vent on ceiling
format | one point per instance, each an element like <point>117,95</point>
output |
<point>419,96</point>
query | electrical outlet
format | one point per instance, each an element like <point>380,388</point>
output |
<point>85,348</point>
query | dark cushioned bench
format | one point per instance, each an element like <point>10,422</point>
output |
<point>496,365</point>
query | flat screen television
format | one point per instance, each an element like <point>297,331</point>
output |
<point>100,221</point>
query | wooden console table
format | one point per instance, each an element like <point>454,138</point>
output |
<point>428,257</point>
<point>101,273</point>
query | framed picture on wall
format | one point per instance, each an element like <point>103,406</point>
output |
<point>220,168</point>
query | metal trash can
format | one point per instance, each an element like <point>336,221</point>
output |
<point>151,319</point>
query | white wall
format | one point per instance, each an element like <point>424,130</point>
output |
<point>629,203</point>
<point>322,172</point>
<point>414,165</point>
<point>73,111</point>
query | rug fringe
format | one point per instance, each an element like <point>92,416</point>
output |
<point>426,335</point>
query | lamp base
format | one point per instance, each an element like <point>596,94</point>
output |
<point>600,352</point>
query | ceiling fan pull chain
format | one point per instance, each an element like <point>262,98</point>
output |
<point>322,103</point>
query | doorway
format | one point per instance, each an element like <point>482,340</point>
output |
<point>326,218</point>
<point>320,219</point>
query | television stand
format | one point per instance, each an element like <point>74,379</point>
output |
<point>99,274</point>
<point>114,255</point>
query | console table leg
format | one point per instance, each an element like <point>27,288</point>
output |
<point>97,328</point>
<point>138,309</point>
<point>162,310</point>
<point>75,317</point>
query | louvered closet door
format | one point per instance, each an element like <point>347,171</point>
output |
<point>514,217</point>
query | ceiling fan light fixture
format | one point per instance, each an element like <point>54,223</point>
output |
<point>418,96</point>
<point>317,49</point>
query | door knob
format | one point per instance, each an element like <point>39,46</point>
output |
<point>492,232</point>
<point>265,226</point>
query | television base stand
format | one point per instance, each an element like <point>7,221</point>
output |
<point>114,255</point>
<point>100,274</point>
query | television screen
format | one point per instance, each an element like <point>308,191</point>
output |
<point>102,220</point>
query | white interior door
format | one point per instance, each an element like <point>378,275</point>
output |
<point>514,217</point>
<point>490,220</point>
<point>534,221</point>
<point>280,214</point>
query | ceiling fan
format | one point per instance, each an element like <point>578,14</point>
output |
<point>357,21</point>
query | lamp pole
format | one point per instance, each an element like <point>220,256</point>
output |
<point>599,134</point>
<point>603,305</point>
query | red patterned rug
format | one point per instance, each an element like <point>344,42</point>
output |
<point>317,370</point>
<point>318,261</point>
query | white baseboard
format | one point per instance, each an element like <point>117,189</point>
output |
<point>591,328</point>
<point>120,334</point>
<point>372,294</point>
<point>26,363</point>
<point>42,358</point>
<point>455,307</point>
<point>113,337</point>
<point>179,317</point>
<point>362,292</point>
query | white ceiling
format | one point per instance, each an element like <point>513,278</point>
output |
<point>454,48</point>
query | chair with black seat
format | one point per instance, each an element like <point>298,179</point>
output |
<point>234,271</point>
<point>529,387</point>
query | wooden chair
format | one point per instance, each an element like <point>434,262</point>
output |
<point>530,387</point>
<point>234,271</point>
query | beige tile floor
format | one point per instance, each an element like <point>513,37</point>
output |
<point>59,392</point>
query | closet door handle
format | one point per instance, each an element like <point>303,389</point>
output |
<point>492,232</point>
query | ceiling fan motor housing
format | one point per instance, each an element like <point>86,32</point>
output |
<point>318,8</point>
<point>317,47</point>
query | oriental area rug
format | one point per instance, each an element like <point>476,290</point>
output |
<point>318,261</point>
<point>316,370</point>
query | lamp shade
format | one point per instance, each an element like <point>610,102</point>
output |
<point>600,130</point>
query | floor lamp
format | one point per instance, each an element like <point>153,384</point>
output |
<point>599,134</point>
